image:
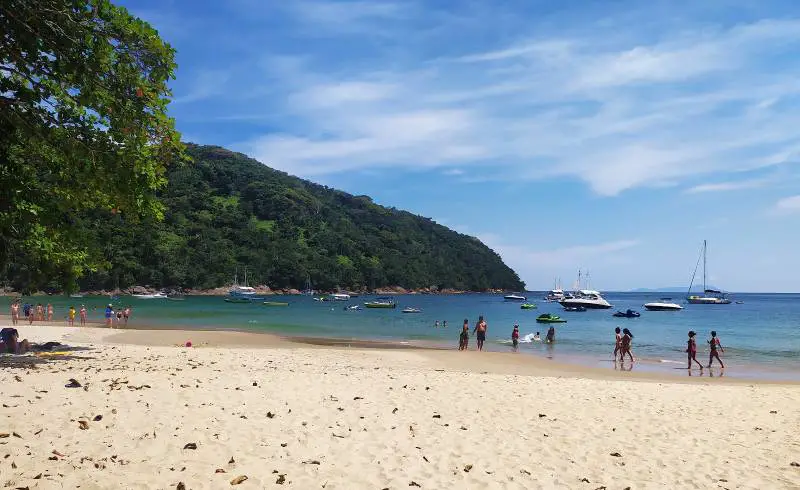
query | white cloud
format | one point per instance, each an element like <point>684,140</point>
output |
<point>728,186</point>
<point>788,205</point>
<point>613,111</point>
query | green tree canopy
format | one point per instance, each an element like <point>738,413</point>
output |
<point>83,126</point>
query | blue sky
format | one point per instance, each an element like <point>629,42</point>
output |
<point>608,136</point>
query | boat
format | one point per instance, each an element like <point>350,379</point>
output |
<point>574,308</point>
<point>514,297</point>
<point>243,291</point>
<point>158,295</point>
<point>709,296</point>
<point>352,308</point>
<point>339,297</point>
<point>238,300</point>
<point>665,304</point>
<point>176,298</point>
<point>587,298</point>
<point>549,318</point>
<point>527,306</point>
<point>627,314</point>
<point>556,294</point>
<point>383,302</point>
<point>582,296</point>
<point>275,303</point>
<point>76,295</point>
<point>411,310</point>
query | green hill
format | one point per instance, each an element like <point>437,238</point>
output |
<point>226,211</point>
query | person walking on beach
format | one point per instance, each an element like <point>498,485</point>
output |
<point>617,342</point>
<point>715,344</point>
<point>83,315</point>
<point>691,350</point>
<point>39,312</point>
<point>480,329</point>
<point>463,340</point>
<point>71,316</point>
<point>625,345</point>
<point>49,312</point>
<point>15,312</point>
<point>515,337</point>
<point>109,316</point>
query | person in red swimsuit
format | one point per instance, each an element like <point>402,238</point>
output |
<point>715,344</point>
<point>515,337</point>
<point>691,350</point>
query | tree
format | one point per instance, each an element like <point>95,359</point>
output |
<point>83,126</point>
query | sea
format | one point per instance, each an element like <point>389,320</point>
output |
<point>759,332</point>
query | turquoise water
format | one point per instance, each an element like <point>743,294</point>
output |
<point>761,336</point>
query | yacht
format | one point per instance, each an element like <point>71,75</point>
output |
<point>709,296</point>
<point>554,296</point>
<point>340,297</point>
<point>664,304</point>
<point>514,297</point>
<point>382,302</point>
<point>587,298</point>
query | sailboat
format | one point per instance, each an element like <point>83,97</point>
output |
<point>709,296</point>
<point>242,293</point>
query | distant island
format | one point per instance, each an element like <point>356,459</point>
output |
<point>225,211</point>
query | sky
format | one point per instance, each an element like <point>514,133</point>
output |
<point>611,136</point>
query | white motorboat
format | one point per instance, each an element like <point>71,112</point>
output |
<point>554,296</point>
<point>514,297</point>
<point>411,310</point>
<point>709,296</point>
<point>665,304</point>
<point>158,295</point>
<point>588,298</point>
<point>340,297</point>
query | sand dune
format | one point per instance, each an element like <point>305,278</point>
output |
<point>334,418</point>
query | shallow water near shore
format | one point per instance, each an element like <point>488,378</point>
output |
<point>761,336</point>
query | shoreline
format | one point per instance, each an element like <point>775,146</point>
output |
<point>472,361</point>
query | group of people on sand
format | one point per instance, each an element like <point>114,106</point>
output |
<point>32,313</point>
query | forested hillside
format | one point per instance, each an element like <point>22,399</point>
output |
<point>226,211</point>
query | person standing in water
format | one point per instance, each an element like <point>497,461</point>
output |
<point>83,315</point>
<point>71,316</point>
<point>109,316</point>
<point>49,312</point>
<point>691,350</point>
<point>480,329</point>
<point>515,337</point>
<point>625,345</point>
<point>551,335</point>
<point>715,344</point>
<point>463,340</point>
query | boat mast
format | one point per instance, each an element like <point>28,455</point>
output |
<point>704,267</point>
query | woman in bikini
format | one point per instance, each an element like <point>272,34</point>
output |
<point>617,342</point>
<point>15,312</point>
<point>714,344</point>
<point>625,345</point>
<point>691,350</point>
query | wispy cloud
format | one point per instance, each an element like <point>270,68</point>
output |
<point>787,205</point>
<point>728,186</point>
<point>616,113</point>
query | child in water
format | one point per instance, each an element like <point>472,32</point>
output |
<point>691,350</point>
<point>515,337</point>
<point>715,344</point>
<point>536,337</point>
<point>463,340</point>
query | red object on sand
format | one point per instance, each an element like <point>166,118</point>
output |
<point>188,343</point>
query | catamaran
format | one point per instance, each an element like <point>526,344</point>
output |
<point>709,296</point>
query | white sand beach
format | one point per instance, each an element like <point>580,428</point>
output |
<point>298,416</point>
